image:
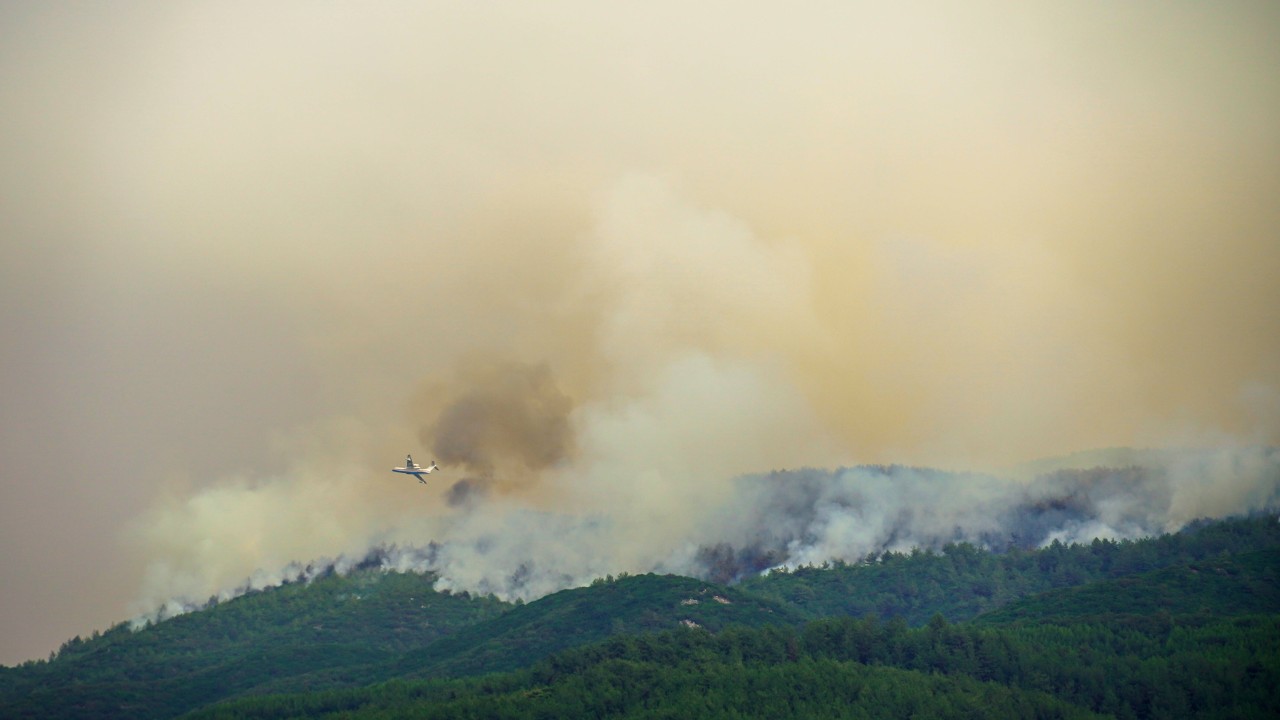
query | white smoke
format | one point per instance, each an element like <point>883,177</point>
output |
<point>551,477</point>
<point>499,546</point>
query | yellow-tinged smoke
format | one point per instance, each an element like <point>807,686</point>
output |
<point>605,258</point>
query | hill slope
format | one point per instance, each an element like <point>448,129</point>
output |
<point>338,636</point>
<point>841,667</point>
<point>233,647</point>
<point>629,605</point>
<point>963,581</point>
<point>1243,584</point>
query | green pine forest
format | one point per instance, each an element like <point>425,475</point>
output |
<point>1183,625</point>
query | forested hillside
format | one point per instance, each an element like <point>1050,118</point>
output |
<point>1223,585</point>
<point>293,630</point>
<point>628,605</point>
<point>1185,625</point>
<point>843,667</point>
<point>963,581</point>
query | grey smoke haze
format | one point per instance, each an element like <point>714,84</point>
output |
<point>250,253</point>
<point>810,516</point>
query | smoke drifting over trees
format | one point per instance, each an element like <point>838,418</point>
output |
<point>601,261</point>
<point>808,517</point>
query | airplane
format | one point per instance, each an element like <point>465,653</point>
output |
<point>414,469</point>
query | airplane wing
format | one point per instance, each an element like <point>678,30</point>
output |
<point>415,470</point>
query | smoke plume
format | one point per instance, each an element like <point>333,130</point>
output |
<point>612,265</point>
<point>501,420</point>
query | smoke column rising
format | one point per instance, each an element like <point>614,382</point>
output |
<point>605,260</point>
<point>506,421</point>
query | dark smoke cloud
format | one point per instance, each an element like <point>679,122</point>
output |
<point>502,416</point>
<point>467,491</point>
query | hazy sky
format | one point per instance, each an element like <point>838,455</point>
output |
<point>251,253</point>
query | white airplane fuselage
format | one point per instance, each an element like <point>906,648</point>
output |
<point>416,470</point>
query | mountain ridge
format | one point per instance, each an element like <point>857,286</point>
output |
<point>374,626</point>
